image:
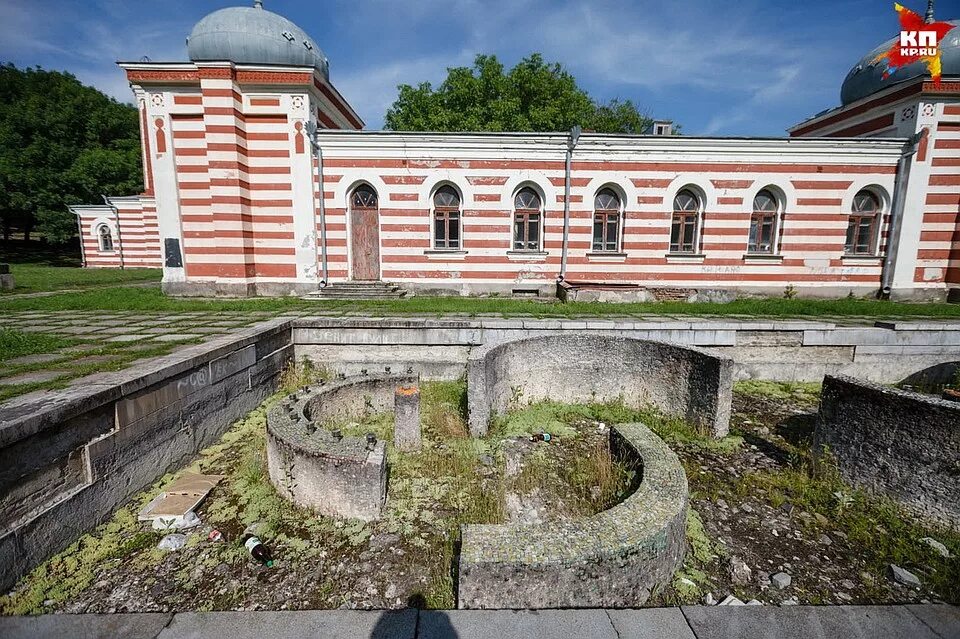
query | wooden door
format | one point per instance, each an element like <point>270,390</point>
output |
<point>365,233</point>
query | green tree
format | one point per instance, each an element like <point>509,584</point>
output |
<point>61,143</point>
<point>532,96</point>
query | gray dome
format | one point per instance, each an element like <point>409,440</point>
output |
<point>866,77</point>
<point>252,35</point>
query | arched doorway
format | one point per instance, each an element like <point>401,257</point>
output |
<point>364,234</point>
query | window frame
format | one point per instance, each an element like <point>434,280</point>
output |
<point>448,215</point>
<point>103,226</point>
<point>855,221</point>
<point>775,217</point>
<point>525,214</point>
<point>683,216</point>
<point>357,189</point>
<point>606,214</point>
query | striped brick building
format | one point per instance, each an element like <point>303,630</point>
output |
<point>242,199</point>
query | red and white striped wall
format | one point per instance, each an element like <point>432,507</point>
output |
<point>132,225</point>
<point>816,179</point>
<point>237,193</point>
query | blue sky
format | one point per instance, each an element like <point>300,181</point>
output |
<point>718,68</point>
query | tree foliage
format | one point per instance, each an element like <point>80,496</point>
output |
<point>61,143</point>
<point>532,96</point>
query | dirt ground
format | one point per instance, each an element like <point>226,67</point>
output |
<point>756,511</point>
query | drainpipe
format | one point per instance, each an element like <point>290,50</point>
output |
<point>116,216</point>
<point>83,254</point>
<point>571,144</point>
<point>896,212</point>
<point>314,132</point>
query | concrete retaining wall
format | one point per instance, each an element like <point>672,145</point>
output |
<point>613,559</point>
<point>785,350</point>
<point>69,458</point>
<point>897,443</point>
<point>582,367</point>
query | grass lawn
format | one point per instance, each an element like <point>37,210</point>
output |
<point>33,278</point>
<point>152,299</point>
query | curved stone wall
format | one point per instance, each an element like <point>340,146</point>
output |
<point>901,444</point>
<point>307,465</point>
<point>612,559</point>
<point>680,381</point>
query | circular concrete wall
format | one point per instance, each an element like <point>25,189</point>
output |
<point>680,381</point>
<point>310,467</point>
<point>615,558</point>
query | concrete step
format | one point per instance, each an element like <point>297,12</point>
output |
<point>357,291</point>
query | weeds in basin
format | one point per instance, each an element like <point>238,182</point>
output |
<point>380,424</point>
<point>801,392</point>
<point>67,573</point>
<point>555,418</point>
<point>443,409</point>
<point>296,375</point>
<point>878,526</point>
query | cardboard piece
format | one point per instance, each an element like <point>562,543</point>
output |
<point>180,498</point>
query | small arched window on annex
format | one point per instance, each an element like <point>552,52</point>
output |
<point>765,219</point>
<point>527,220</point>
<point>363,197</point>
<point>863,226</point>
<point>446,219</point>
<point>607,216</point>
<point>105,238</point>
<point>686,222</point>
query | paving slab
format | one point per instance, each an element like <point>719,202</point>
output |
<point>78,330</point>
<point>650,623</point>
<point>128,626</point>
<point>32,378</point>
<point>114,330</point>
<point>807,622</point>
<point>322,624</point>
<point>93,359</point>
<point>944,620</point>
<point>176,336</point>
<point>127,338</point>
<point>516,624</point>
<point>37,328</point>
<point>82,348</point>
<point>33,359</point>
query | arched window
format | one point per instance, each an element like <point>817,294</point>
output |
<point>526,220</point>
<point>686,222</point>
<point>763,223</point>
<point>606,221</point>
<point>105,237</point>
<point>364,197</point>
<point>446,219</point>
<point>863,224</point>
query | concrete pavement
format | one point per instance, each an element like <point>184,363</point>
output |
<point>687,622</point>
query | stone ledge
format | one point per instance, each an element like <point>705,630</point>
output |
<point>615,558</point>
<point>27,415</point>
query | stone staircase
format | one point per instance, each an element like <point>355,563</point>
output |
<point>357,291</point>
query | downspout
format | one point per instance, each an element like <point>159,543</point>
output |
<point>116,216</point>
<point>571,144</point>
<point>896,212</point>
<point>314,132</point>
<point>83,253</point>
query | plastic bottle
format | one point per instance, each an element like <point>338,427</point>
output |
<point>257,549</point>
<point>541,437</point>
